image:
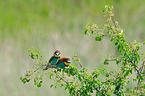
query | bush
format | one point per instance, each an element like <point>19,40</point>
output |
<point>81,82</point>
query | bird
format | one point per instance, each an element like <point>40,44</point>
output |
<point>63,62</point>
<point>54,59</point>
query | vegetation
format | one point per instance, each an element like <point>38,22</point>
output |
<point>78,81</point>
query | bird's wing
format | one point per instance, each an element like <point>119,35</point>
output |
<point>51,59</point>
<point>59,62</point>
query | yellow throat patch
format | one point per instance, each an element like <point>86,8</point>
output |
<point>66,63</point>
<point>57,55</point>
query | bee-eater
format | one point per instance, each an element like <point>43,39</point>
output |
<point>54,59</point>
<point>63,62</point>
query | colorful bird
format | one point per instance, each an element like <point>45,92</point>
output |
<point>54,59</point>
<point>63,62</point>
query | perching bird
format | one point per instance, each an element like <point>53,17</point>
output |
<point>54,59</point>
<point>63,62</point>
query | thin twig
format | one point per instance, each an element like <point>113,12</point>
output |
<point>35,70</point>
<point>50,66</point>
<point>139,78</point>
<point>60,77</point>
<point>80,64</point>
<point>136,68</point>
<point>133,63</point>
<point>97,88</point>
<point>100,91</point>
<point>114,21</point>
<point>142,66</point>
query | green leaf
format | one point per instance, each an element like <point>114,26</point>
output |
<point>118,61</point>
<point>103,10</point>
<point>21,78</point>
<point>55,71</point>
<point>135,80</point>
<point>144,42</point>
<point>104,69</point>
<point>65,88</point>
<point>85,31</point>
<point>30,49</point>
<point>35,80</point>
<point>106,62</point>
<point>127,73</point>
<point>124,54</point>
<point>92,32</point>
<point>59,69</point>
<point>27,74</point>
<point>62,85</point>
<point>41,81</point>
<point>37,56</point>
<point>32,55</point>
<point>51,86</point>
<point>28,80</point>
<point>37,51</point>
<point>39,85</point>
<point>106,6</point>
<point>107,75</point>
<point>98,38</point>
<point>79,77</point>
<point>131,71</point>
<point>24,82</point>
<point>116,43</point>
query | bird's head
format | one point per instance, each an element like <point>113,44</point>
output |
<point>67,61</point>
<point>57,53</point>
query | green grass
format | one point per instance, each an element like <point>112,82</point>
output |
<point>48,25</point>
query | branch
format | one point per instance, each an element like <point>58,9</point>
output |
<point>36,70</point>
<point>50,66</point>
<point>100,92</point>
<point>60,77</point>
<point>140,71</point>
<point>97,88</point>
<point>133,63</point>
<point>80,64</point>
<point>78,59</point>
<point>136,68</point>
<point>114,21</point>
<point>142,66</point>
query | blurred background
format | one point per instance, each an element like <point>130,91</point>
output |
<point>48,25</point>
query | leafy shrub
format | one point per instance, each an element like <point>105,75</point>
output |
<point>78,81</point>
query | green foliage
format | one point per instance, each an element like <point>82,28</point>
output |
<point>78,81</point>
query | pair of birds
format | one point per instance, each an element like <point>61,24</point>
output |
<point>58,61</point>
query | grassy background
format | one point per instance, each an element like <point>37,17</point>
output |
<point>48,25</point>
